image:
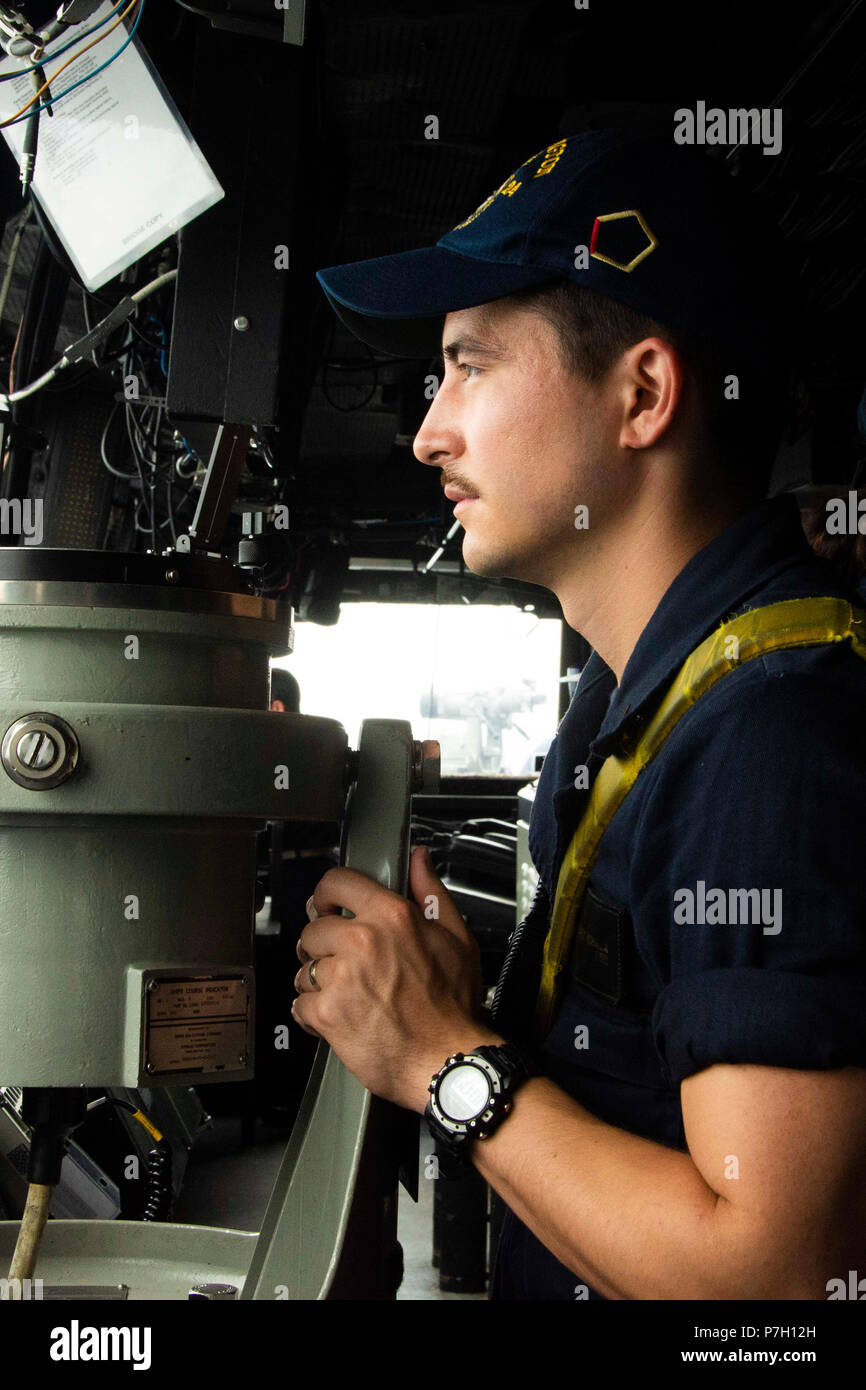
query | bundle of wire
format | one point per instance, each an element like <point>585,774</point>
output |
<point>138,445</point>
<point>33,106</point>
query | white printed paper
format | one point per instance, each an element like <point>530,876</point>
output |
<point>117,171</point>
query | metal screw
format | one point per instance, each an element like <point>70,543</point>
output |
<point>243,1059</point>
<point>172,576</point>
<point>242,323</point>
<point>426,762</point>
<point>37,750</point>
<point>149,1067</point>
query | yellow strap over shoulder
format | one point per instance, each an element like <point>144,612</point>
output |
<point>799,622</point>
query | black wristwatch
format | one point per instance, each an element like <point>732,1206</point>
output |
<point>471,1094</point>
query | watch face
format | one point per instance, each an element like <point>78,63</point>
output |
<point>464,1092</point>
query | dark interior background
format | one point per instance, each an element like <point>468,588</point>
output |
<point>322,149</point>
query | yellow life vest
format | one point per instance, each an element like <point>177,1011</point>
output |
<point>798,622</point>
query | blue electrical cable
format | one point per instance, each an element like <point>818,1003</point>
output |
<point>162,367</point>
<point>56,96</point>
<point>49,57</point>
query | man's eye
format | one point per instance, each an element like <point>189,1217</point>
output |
<point>467,367</point>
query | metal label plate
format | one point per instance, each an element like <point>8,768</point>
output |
<point>197,1024</point>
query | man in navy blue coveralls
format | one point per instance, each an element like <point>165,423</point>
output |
<point>699,1127</point>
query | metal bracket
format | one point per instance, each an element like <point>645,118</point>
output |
<point>219,489</point>
<point>330,1229</point>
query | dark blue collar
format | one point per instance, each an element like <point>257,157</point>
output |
<point>715,582</point>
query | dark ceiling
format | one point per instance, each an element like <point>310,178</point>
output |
<point>344,141</point>
<point>505,80</point>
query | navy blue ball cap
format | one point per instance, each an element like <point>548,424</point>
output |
<point>634,217</point>
<point>397,303</point>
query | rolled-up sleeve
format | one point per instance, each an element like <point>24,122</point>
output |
<point>755,815</point>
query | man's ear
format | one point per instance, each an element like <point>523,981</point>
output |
<point>652,377</point>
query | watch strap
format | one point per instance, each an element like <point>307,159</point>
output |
<point>513,1062</point>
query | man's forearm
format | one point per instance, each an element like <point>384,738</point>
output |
<point>631,1218</point>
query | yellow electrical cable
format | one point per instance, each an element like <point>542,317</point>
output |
<point>151,1128</point>
<point>54,76</point>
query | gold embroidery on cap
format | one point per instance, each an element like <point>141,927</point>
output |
<point>551,157</point>
<point>509,187</point>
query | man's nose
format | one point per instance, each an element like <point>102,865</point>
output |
<point>436,440</point>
